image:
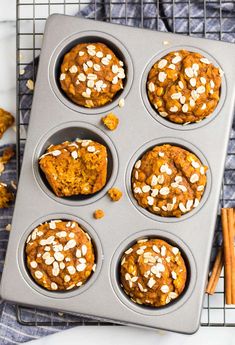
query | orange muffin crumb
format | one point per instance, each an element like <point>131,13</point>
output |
<point>98,214</point>
<point>115,194</point>
<point>111,121</point>
<point>6,121</point>
<point>8,153</point>
<point>6,196</point>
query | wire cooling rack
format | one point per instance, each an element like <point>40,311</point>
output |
<point>177,16</point>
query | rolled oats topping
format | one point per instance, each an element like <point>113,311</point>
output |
<point>152,274</point>
<point>184,87</point>
<point>57,262</point>
<point>91,77</point>
<point>168,181</point>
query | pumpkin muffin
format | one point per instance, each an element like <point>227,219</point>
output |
<point>184,87</point>
<point>74,168</point>
<point>168,181</point>
<point>60,255</point>
<point>91,74</point>
<point>153,272</point>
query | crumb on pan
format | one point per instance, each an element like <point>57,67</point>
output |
<point>121,102</point>
<point>6,197</point>
<point>98,214</point>
<point>115,194</point>
<point>6,121</point>
<point>111,121</point>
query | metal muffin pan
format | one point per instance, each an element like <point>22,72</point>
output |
<point>54,118</point>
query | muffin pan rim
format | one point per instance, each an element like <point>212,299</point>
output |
<point>199,234</point>
<point>164,121</point>
<point>128,67</point>
<point>92,197</point>
<point>174,142</point>
<point>186,254</point>
<point>98,251</point>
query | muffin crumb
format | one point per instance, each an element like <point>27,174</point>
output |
<point>111,121</point>
<point>98,214</point>
<point>115,194</point>
<point>8,153</point>
<point>6,121</point>
<point>5,196</point>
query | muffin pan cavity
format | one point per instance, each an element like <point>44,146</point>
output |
<point>186,255</point>
<point>55,119</point>
<point>70,132</point>
<point>90,37</point>
<point>154,112</point>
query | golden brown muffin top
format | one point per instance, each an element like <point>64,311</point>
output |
<point>184,86</point>
<point>153,272</point>
<point>91,74</point>
<point>60,255</point>
<point>168,181</point>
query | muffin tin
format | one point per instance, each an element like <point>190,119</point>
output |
<point>54,118</point>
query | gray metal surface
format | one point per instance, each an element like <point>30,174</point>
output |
<point>54,117</point>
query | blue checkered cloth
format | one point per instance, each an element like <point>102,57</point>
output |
<point>11,332</point>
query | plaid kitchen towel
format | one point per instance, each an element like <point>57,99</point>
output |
<point>11,332</point>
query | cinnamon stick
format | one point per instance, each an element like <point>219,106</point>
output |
<point>215,274</point>
<point>231,250</point>
<point>229,260</point>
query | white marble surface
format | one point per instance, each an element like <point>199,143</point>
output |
<point>86,335</point>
